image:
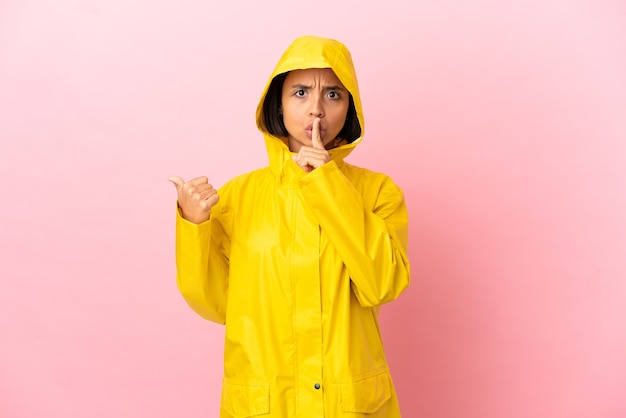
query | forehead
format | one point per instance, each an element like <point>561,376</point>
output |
<point>312,76</point>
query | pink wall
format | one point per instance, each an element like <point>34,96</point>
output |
<point>504,123</point>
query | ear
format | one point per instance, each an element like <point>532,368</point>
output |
<point>280,109</point>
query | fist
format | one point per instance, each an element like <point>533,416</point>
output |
<point>195,198</point>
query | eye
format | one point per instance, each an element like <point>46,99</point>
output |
<point>299,93</point>
<point>333,94</point>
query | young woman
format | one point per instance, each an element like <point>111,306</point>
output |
<point>296,258</point>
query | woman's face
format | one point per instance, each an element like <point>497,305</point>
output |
<point>309,94</point>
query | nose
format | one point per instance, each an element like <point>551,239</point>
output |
<point>316,109</point>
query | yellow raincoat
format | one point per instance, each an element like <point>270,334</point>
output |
<point>296,265</point>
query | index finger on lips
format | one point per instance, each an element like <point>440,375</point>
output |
<point>316,139</point>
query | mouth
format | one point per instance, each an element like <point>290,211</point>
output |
<point>309,131</point>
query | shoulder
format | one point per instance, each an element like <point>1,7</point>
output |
<point>367,178</point>
<point>378,190</point>
<point>242,181</point>
<point>236,192</point>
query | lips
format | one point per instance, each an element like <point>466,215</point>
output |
<point>309,130</point>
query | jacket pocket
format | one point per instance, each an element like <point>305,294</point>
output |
<point>367,395</point>
<point>242,399</point>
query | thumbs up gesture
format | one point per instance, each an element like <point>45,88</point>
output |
<point>310,158</point>
<point>195,198</point>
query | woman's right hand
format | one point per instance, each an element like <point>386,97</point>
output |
<point>195,198</point>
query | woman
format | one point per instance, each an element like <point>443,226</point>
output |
<point>296,258</point>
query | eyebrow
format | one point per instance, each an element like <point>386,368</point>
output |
<point>303,86</point>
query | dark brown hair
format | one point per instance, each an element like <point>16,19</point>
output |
<point>273,119</point>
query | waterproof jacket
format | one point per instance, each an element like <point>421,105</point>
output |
<point>296,265</point>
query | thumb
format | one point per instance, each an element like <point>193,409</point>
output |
<point>316,139</point>
<point>178,182</point>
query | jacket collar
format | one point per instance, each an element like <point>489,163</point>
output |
<point>281,159</point>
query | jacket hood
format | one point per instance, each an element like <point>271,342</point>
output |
<point>314,52</point>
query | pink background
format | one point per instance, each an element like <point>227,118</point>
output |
<point>504,122</point>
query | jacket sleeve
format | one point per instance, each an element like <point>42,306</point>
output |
<point>202,264</point>
<point>371,237</point>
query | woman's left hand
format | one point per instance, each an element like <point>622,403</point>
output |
<point>310,158</point>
